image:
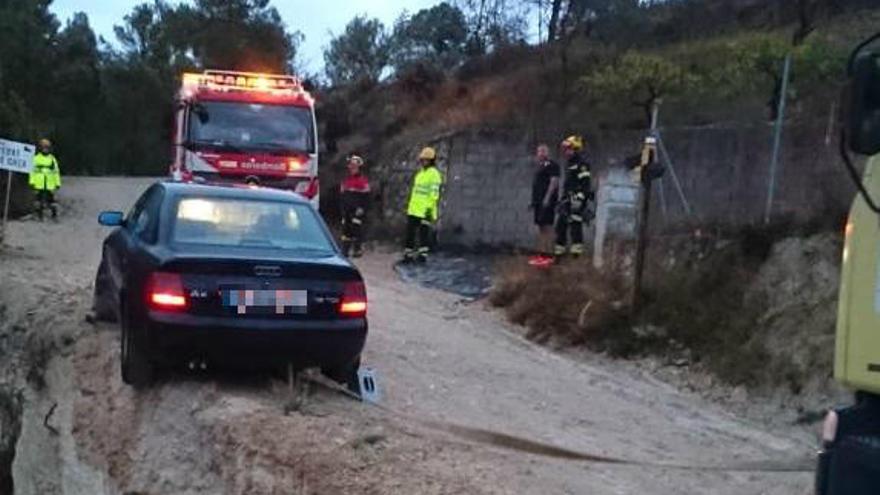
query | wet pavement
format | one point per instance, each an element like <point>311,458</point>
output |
<point>468,275</point>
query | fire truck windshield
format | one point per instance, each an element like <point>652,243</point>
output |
<point>238,126</point>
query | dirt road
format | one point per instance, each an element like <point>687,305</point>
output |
<point>438,359</point>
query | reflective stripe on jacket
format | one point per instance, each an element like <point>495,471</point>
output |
<point>46,174</point>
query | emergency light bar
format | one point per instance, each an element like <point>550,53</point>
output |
<point>221,80</point>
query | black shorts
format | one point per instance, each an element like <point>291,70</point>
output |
<point>545,217</point>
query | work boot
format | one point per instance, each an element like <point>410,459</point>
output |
<point>408,257</point>
<point>357,251</point>
<point>422,256</point>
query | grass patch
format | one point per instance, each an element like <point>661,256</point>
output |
<point>697,310</point>
<point>703,307</point>
<point>572,304</point>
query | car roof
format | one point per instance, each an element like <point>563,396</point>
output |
<point>232,191</point>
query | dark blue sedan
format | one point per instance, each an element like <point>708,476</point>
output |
<point>229,275</point>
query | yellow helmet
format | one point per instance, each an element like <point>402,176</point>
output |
<point>45,143</point>
<point>428,153</point>
<point>574,142</point>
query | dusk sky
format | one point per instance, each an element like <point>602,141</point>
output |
<point>315,19</point>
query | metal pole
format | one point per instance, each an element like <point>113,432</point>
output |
<point>829,131</point>
<point>6,206</point>
<point>777,140</point>
<point>655,124</point>
<point>663,207</point>
<point>664,154</point>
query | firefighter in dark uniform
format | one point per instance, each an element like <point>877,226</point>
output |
<point>577,192</point>
<point>355,198</point>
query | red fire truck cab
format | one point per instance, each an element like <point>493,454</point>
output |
<point>247,128</point>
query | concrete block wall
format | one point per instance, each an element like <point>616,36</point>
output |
<point>723,172</point>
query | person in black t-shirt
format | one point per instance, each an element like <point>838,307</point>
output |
<point>545,195</point>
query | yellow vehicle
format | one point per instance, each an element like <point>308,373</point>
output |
<point>849,461</point>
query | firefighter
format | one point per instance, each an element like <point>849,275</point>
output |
<point>422,210</point>
<point>577,192</point>
<point>545,195</point>
<point>45,179</point>
<point>355,198</point>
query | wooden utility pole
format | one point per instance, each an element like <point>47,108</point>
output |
<point>648,157</point>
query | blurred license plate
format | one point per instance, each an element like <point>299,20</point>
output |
<point>276,301</point>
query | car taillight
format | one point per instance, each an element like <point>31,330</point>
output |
<point>165,291</point>
<point>354,300</point>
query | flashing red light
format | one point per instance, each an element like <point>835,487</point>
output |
<point>354,300</point>
<point>166,291</point>
<point>296,165</point>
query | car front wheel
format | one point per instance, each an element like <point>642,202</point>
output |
<point>102,302</point>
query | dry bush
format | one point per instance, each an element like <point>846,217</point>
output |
<point>572,303</point>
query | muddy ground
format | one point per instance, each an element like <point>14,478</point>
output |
<point>439,358</point>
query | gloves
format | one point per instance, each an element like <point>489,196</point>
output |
<point>359,212</point>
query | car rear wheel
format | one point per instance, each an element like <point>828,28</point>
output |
<point>137,370</point>
<point>346,375</point>
<point>102,300</point>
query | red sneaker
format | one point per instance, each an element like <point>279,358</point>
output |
<point>541,261</point>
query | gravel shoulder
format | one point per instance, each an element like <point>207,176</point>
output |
<point>438,357</point>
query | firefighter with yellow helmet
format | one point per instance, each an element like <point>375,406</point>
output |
<point>423,207</point>
<point>45,178</point>
<point>577,192</point>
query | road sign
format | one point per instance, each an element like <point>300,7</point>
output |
<point>16,157</point>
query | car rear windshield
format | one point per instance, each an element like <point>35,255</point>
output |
<point>250,224</point>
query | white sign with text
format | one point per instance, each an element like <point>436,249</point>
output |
<point>16,157</point>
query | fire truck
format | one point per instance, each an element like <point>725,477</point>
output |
<point>249,128</point>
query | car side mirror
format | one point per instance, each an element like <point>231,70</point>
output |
<point>862,119</point>
<point>111,218</point>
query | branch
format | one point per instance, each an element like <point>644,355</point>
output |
<point>47,417</point>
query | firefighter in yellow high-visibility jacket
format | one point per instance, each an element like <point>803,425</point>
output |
<point>45,178</point>
<point>422,210</point>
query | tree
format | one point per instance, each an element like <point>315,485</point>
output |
<point>359,54</point>
<point>493,23</point>
<point>553,23</point>
<point>234,34</point>
<point>642,79</point>
<point>78,93</point>
<point>26,64</point>
<point>434,37</point>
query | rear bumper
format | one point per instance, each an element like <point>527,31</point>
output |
<point>255,342</point>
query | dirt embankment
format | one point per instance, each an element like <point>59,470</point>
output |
<point>83,432</point>
<point>748,322</point>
